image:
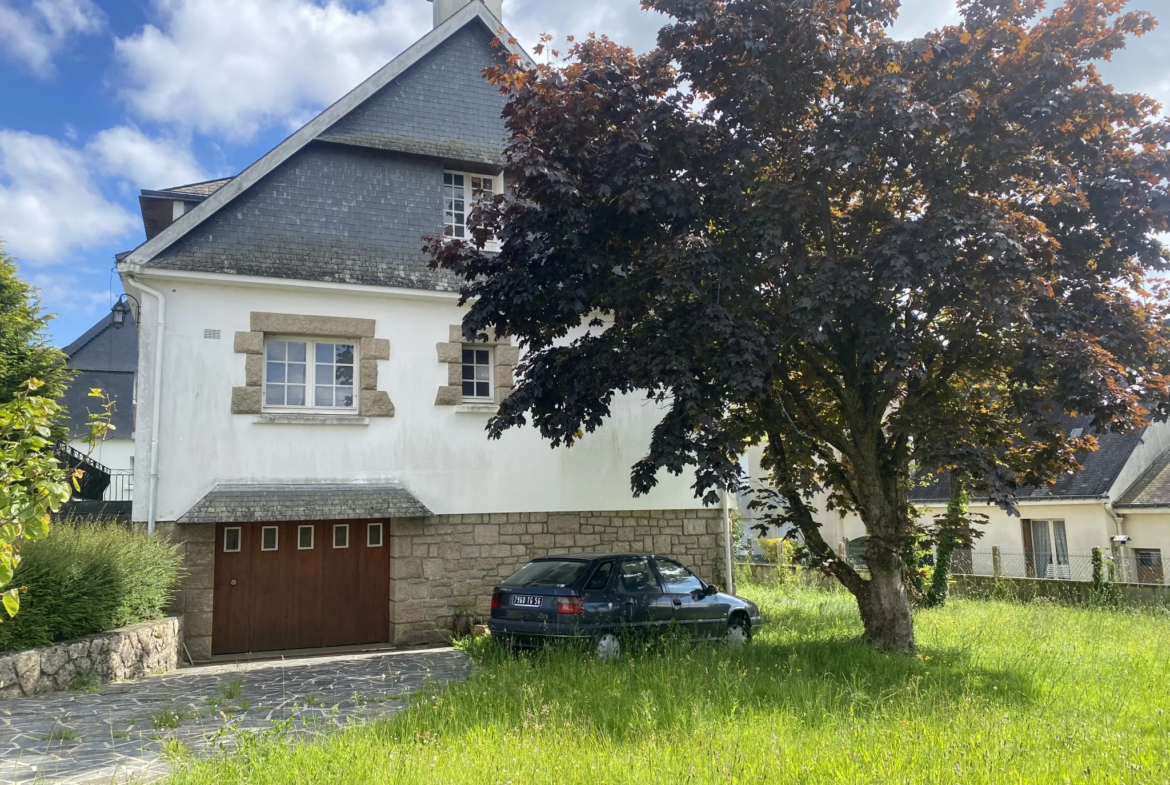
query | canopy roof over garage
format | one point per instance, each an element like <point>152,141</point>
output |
<point>278,502</point>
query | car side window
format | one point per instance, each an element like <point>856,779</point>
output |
<point>676,578</point>
<point>634,576</point>
<point>600,578</point>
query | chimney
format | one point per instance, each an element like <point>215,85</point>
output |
<point>445,9</point>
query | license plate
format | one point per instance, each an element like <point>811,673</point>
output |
<point>526,601</point>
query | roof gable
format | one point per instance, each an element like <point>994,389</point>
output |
<point>473,13</point>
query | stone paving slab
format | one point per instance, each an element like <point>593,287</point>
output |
<point>122,733</point>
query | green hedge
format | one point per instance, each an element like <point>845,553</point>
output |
<point>86,578</point>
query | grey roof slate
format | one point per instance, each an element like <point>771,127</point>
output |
<point>1097,475</point>
<point>280,502</point>
<point>105,358</point>
<point>1152,489</point>
<point>204,189</point>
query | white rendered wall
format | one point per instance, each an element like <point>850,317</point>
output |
<point>115,454</point>
<point>441,456</point>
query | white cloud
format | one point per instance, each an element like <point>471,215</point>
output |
<point>49,204</point>
<point>128,153</point>
<point>32,36</point>
<point>233,67</point>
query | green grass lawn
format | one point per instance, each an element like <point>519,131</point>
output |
<point>1000,693</point>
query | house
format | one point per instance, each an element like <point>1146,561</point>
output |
<point>1118,501</point>
<point>105,358</point>
<point>311,420</point>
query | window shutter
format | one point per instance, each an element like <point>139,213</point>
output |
<point>1029,555</point>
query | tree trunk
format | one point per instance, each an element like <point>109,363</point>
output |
<point>885,607</point>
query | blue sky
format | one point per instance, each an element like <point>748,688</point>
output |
<point>99,98</point>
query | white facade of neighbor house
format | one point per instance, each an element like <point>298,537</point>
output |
<point>1063,531</point>
<point>440,453</point>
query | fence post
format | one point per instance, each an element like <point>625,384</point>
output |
<point>996,562</point>
<point>841,551</point>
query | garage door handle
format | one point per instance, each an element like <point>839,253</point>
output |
<point>233,581</point>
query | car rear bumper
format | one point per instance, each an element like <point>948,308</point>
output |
<point>533,633</point>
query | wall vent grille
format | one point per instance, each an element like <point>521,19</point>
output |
<point>212,335</point>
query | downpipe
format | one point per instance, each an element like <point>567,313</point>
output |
<point>156,400</point>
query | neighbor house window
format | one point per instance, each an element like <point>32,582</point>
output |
<point>231,539</point>
<point>305,538</point>
<point>477,374</point>
<point>310,375</point>
<point>462,191</point>
<point>1046,550</point>
<point>341,535</point>
<point>374,535</point>
<point>269,537</point>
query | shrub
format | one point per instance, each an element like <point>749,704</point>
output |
<point>86,578</point>
<point>778,550</point>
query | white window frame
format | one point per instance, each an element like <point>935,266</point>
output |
<point>469,203</point>
<point>1054,569</point>
<point>370,527</point>
<point>312,538</point>
<point>239,530</point>
<point>491,365</point>
<point>310,376</point>
<point>337,526</point>
<point>276,541</point>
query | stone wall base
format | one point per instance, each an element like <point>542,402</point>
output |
<point>449,564</point>
<point>128,653</point>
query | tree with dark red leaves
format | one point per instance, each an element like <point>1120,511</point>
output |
<point>875,258</point>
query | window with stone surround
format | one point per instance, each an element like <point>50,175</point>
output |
<point>462,191</point>
<point>477,374</point>
<point>302,374</point>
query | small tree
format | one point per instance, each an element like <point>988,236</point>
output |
<point>25,352</point>
<point>868,254</point>
<point>32,483</point>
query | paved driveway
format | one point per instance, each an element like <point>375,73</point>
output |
<point>127,731</point>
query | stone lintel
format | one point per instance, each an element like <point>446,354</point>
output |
<point>324,326</point>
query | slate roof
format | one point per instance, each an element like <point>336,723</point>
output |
<point>204,189</point>
<point>279,502</point>
<point>1152,489</point>
<point>1097,475</point>
<point>299,212</point>
<point>105,358</point>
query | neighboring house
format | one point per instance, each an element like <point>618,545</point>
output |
<point>319,443</point>
<point>105,358</point>
<point>1119,501</point>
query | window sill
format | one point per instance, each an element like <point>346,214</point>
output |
<point>477,408</point>
<point>310,419</point>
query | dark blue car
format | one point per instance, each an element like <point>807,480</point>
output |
<point>611,597</point>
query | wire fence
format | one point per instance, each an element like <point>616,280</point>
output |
<point>1144,567</point>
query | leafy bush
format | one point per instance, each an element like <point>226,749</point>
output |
<point>85,578</point>
<point>778,550</point>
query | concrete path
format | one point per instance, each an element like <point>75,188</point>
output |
<point>127,732</point>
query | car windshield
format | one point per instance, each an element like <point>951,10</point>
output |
<point>549,574</point>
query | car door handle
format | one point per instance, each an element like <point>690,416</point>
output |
<point>629,602</point>
<point>677,603</point>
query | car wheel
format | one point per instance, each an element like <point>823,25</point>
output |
<point>607,647</point>
<point>739,632</point>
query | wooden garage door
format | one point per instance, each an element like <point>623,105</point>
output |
<point>300,585</point>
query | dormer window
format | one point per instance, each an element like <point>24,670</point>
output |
<point>462,191</point>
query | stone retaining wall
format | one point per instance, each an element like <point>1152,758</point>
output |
<point>449,563</point>
<point>128,653</point>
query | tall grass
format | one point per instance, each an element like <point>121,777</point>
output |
<point>1001,693</point>
<point>86,578</point>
